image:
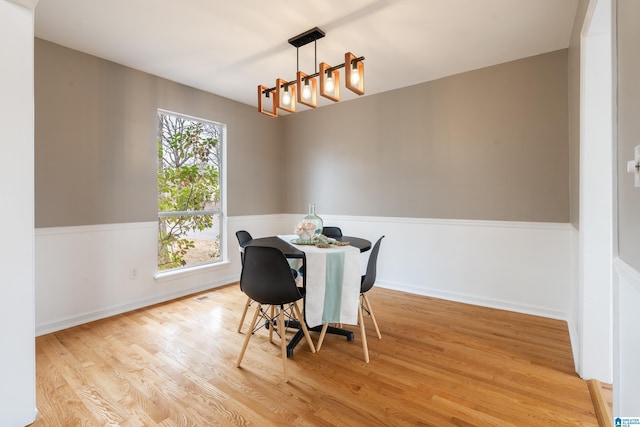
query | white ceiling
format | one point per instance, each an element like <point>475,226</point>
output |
<point>228,48</point>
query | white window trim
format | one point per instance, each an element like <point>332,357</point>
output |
<point>169,275</point>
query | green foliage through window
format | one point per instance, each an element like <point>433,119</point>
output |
<point>189,215</point>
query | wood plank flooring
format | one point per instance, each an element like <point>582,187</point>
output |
<point>439,363</point>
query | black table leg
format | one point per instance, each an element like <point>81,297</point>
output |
<point>299,334</point>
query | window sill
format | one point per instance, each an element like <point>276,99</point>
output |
<point>168,276</point>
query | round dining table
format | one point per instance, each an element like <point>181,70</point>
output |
<point>291,251</point>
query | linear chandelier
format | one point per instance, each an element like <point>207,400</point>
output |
<point>304,89</point>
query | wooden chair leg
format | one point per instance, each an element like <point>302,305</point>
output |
<point>304,327</point>
<point>248,337</point>
<point>244,313</point>
<point>364,335</point>
<point>370,310</point>
<point>283,342</point>
<point>322,334</point>
<point>272,325</point>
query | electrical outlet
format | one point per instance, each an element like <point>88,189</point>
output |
<point>633,166</point>
<point>637,172</point>
<point>133,273</point>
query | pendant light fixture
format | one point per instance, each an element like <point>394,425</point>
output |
<point>304,90</point>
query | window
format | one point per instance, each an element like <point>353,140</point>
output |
<point>189,191</point>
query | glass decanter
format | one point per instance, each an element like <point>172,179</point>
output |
<point>312,217</point>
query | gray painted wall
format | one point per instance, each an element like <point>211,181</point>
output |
<point>574,112</point>
<point>628,93</point>
<point>490,144</point>
<point>95,149</point>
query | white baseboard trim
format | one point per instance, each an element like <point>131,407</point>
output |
<point>474,300</point>
<point>574,338</point>
<point>87,317</point>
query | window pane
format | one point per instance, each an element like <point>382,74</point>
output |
<point>187,241</point>
<point>189,162</point>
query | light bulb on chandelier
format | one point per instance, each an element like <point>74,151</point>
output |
<point>328,83</point>
<point>355,75</point>
<point>286,97</point>
<point>306,90</point>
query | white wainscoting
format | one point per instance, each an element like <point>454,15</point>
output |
<point>517,266</point>
<point>626,340</point>
<point>83,273</point>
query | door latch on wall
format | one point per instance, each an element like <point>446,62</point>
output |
<point>633,166</point>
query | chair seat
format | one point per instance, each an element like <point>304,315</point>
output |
<point>267,280</point>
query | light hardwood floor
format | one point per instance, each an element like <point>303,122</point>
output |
<point>439,363</point>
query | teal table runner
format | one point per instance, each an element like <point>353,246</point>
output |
<point>333,293</point>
